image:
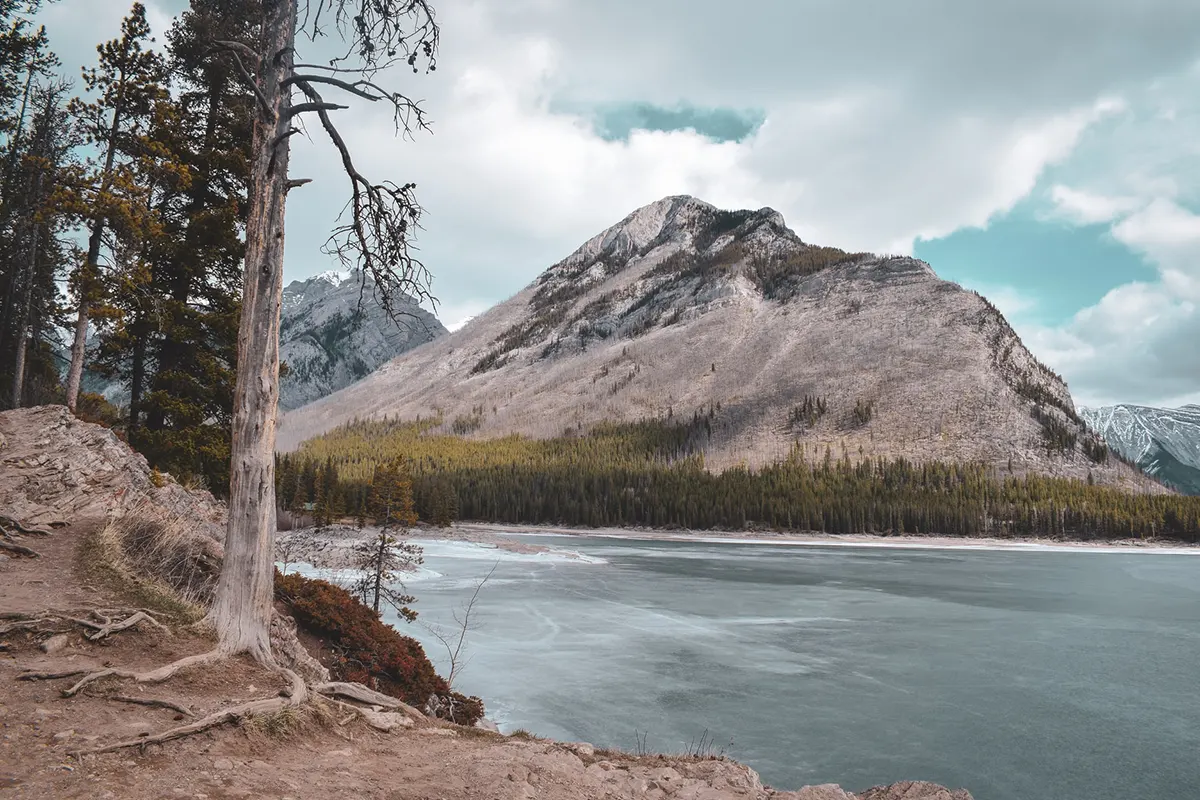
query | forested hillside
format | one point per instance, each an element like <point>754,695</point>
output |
<point>652,474</point>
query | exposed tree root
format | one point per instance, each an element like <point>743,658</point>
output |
<point>22,625</point>
<point>109,627</point>
<point>385,722</point>
<point>356,691</point>
<point>18,549</point>
<point>9,522</point>
<point>297,695</point>
<point>153,703</point>
<point>50,676</point>
<point>154,676</point>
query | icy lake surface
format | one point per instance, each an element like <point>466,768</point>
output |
<point>1018,675</point>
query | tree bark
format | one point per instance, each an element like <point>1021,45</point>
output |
<point>137,375</point>
<point>91,267</point>
<point>241,611</point>
<point>23,330</point>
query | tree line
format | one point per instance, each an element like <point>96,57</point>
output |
<point>653,474</point>
<point>130,189</point>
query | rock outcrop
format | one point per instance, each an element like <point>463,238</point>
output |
<point>56,467</point>
<point>683,309</point>
<point>329,339</point>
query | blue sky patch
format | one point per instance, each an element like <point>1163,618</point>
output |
<point>1063,267</point>
<point>615,122</point>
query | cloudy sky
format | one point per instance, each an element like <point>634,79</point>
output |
<point>1044,152</point>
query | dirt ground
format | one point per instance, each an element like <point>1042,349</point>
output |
<point>304,755</point>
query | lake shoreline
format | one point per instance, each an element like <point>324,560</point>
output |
<point>490,532</point>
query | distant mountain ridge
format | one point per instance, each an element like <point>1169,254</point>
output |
<point>682,310</point>
<point>1164,442</point>
<point>328,340</point>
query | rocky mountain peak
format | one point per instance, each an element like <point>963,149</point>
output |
<point>685,311</point>
<point>329,340</point>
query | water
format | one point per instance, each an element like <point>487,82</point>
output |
<point>1071,675</point>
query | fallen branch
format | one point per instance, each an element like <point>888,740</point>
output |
<point>153,703</point>
<point>19,549</point>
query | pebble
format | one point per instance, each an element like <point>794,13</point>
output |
<point>223,764</point>
<point>55,643</point>
<point>62,736</point>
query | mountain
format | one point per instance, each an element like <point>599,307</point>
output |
<point>1163,442</point>
<point>683,311</point>
<point>328,343</point>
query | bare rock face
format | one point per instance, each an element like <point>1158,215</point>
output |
<point>329,339</point>
<point>684,309</point>
<point>54,467</point>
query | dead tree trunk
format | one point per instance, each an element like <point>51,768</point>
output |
<point>90,273</point>
<point>241,610</point>
<point>23,330</point>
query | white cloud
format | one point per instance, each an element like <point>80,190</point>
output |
<point>1140,342</point>
<point>1086,208</point>
<point>1013,303</point>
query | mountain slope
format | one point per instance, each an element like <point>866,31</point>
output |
<point>682,309</point>
<point>328,343</point>
<point>1164,442</point>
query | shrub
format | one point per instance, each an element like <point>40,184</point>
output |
<point>95,408</point>
<point>368,651</point>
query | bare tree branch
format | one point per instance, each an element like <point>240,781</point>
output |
<point>353,88</point>
<point>379,32</point>
<point>302,108</point>
<point>376,237</point>
<point>454,646</point>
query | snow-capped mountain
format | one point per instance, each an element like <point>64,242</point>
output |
<point>1164,442</point>
<point>685,311</point>
<point>328,342</point>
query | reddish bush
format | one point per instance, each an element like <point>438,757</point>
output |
<point>369,651</point>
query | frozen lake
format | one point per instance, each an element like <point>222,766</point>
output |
<point>1017,675</point>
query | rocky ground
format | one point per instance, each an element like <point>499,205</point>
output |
<point>53,612</point>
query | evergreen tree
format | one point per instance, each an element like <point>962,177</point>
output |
<point>38,253</point>
<point>127,83</point>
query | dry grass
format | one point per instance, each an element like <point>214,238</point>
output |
<point>154,559</point>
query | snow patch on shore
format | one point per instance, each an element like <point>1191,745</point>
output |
<point>480,551</point>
